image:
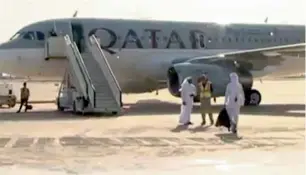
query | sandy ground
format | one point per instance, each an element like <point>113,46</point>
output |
<point>146,139</point>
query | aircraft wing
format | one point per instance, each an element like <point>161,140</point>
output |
<point>279,60</point>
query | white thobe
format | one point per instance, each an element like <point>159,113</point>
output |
<point>187,90</point>
<point>234,99</point>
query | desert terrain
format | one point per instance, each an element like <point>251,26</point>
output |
<point>147,140</point>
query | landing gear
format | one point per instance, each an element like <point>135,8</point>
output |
<point>156,92</point>
<point>74,109</point>
<point>59,107</point>
<point>252,97</point>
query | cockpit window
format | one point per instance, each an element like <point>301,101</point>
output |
<point>29,36</point>
<point>17,35</point>
<point>40,35</point>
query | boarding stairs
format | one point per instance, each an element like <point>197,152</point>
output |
<point>92,85</point>
<point>108,91</point>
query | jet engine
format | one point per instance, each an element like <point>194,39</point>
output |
<point>218,74</point>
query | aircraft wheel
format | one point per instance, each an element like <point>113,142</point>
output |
<point>252,97</point>
<point>59,107</point>
<point>74,110</point>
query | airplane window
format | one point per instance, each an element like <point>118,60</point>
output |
<point>286,40</point>
<point>250,39</point>
<point>40,35</point>
<point>256,40</point>
<point>29,36</point>
<point>17,35</point>
<point>229,39</point>
<point>237,39</point>
<point>242,39</point>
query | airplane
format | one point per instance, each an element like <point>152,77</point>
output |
<point>144,53</point>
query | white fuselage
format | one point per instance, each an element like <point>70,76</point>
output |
<point>148,62</point>
<point>138,67</point>
<point>132,67</point>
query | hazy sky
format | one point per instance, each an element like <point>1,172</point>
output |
<point>14,14</point>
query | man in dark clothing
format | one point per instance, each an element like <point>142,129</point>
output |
<point>52,33</point>
<point>24,97</point>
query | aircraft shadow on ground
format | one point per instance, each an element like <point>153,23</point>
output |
<point>39,115</point>
<point>156,107</point>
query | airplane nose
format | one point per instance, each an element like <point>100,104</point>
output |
<point>7,58</point>
<point>9,44</point>
<point>3,46</point>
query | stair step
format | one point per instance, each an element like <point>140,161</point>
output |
<point>105,98</point>
<point>101,82</point>
<point>106,105</point>
<point>103,86</point>
<point>104,95</point>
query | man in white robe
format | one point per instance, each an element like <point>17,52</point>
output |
<point>234,99</point>
<point>188,91</point>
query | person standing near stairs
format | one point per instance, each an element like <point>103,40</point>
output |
<point>24,97</point>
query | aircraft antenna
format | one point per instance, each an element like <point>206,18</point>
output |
<point>54,25</point>
<point>75,14</point>
<point>266,20</point>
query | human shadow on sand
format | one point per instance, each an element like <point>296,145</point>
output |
<point>200,128</point>
<point>157,107</point>
<point>46,115</point>
<point>191,128</point>
<point>179,128</point>
<point>228,137</point>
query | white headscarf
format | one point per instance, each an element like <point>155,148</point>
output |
<point>187,89</point>
<point>234,80</point>
<point>234,89</point>
<point>185,83</point>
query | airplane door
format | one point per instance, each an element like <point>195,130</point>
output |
<point>201,42</point>
<point>78,36</point>
<point>63,28</point>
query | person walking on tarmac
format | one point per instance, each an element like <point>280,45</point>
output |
<point>24,97</point>
<point>206,90</point>
<point>234,99</point>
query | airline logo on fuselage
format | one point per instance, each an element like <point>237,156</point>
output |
<point>131,38</point>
